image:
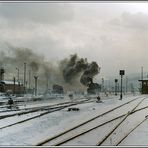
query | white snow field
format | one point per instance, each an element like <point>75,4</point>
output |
<point>32,132</point>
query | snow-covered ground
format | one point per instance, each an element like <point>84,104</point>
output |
<point>33,131</point>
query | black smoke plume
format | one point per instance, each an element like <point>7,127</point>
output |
<point>75,67</point>
<point>72,73</point>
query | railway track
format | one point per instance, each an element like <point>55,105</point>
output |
<point>50,110</point>
<point>66,136</point>
<point>131,131</point>
<point>30,118</point>
<point>42,107</point>
<point>125,117</point>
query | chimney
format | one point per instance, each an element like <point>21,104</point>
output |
<point>2,71</point>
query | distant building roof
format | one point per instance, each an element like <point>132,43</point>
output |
<point>10,82</point>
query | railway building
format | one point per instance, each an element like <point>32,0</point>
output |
<point>11,87</point>
<point>144,86</point>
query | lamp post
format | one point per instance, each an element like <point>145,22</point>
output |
<point>121,72</point>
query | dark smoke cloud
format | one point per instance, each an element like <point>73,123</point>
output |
<point>72,73</point>
<point>75,66</point>
<point>91,70</point>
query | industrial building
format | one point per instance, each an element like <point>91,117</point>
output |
<point>11,87</point>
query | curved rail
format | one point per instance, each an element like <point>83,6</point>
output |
<point>129,113</point>
<point>74,136</point>
<point>131,131</point>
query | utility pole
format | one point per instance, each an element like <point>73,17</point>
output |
<point>141,78</point>
<point>18,79</point>
<point>35,77</point>
<point>17,74</point>
<point>142,73</point>
<point>47,84</point>
<point>29,78</point>
<point>121,73</point>
<point>14,85</point>
<point>24,78</point>
<point>126,83</point>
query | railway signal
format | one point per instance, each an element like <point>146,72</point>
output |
<point>121,72</point>
<point>116,80</point>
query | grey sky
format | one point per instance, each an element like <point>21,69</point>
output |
<point>113,34</point>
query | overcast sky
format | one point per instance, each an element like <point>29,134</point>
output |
<point>115,35</point>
